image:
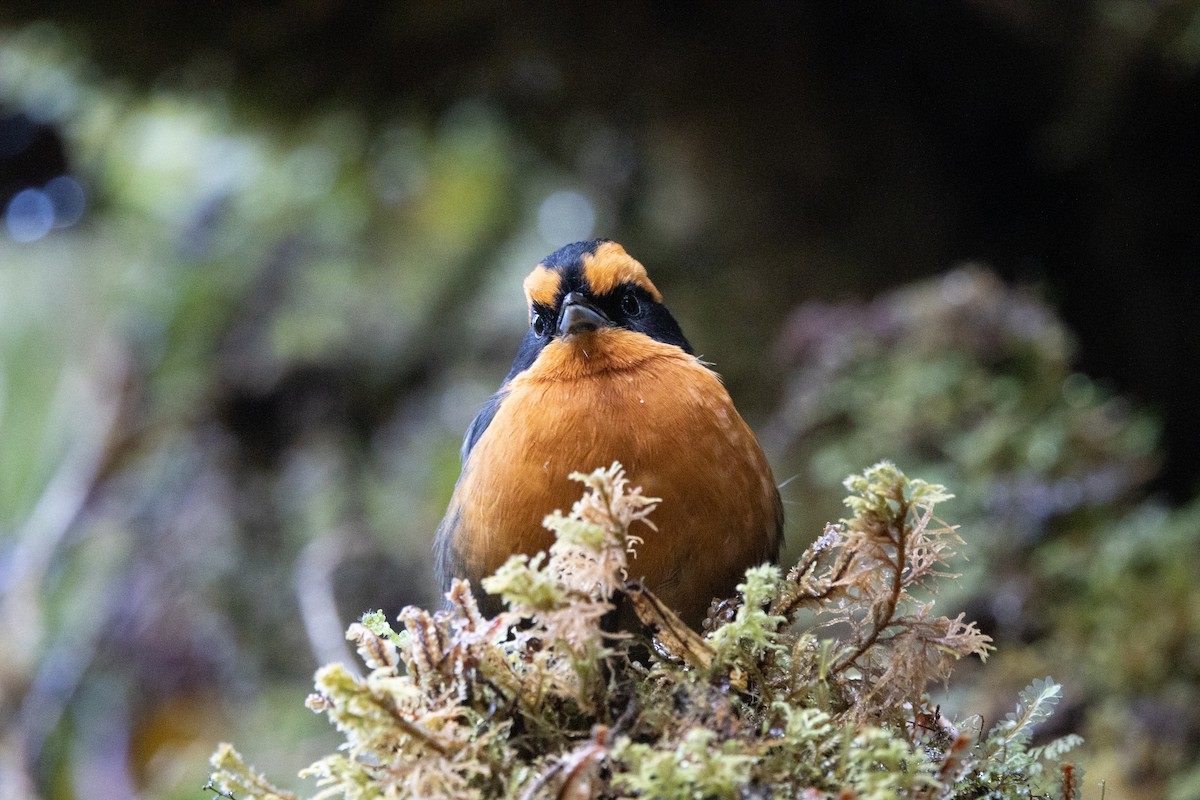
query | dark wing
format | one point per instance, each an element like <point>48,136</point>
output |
<point>446,561</point>
<point>481,422</point>
<point>774,550</point>
<point>531,345</point>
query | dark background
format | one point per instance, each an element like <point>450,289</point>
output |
<point>1055,142</point>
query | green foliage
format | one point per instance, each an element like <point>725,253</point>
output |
<point>1129,597</point>
<point>699,765</point>
<point>1035,705</point>
<point>754,631</point>
<point>542,701</point>
<point>972,382</point>
<point>177,414</point>
<point>1009,760</point>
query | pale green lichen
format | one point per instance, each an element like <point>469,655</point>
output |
<point>807,685</point>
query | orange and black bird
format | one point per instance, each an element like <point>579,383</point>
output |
<point>605,374</point>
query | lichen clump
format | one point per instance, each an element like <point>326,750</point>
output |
<point>810,684</point>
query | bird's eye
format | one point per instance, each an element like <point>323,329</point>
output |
<point>539,325</point>
<point>630,304</point>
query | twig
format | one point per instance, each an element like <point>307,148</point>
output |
<point>883,621</point>
<point>414,729</point>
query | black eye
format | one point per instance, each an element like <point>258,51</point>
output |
<point>630,304</point>
<point>539,325</point>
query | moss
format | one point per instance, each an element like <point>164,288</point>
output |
<point>810,683</point>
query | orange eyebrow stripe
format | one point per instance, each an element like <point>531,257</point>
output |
<point>610,266</point>
<point>541,286</point>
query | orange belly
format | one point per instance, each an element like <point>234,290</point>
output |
<point>671,423</point>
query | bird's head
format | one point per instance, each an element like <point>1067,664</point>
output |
<point>590,303</point>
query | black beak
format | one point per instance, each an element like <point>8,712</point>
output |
<point>579,315</point>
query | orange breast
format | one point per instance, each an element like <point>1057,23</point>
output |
<point>617,396</point>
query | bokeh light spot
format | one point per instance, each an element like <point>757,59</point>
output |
<point>29,216</point>
<point>67,196</point>
<point>566,216</point>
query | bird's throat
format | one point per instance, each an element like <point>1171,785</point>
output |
<point>598,352</point>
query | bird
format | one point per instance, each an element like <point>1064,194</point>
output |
<point>605,374</point>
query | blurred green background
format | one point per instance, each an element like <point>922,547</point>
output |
<point>260,263</point>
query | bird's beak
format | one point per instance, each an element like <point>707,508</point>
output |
<point>578,315</point>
